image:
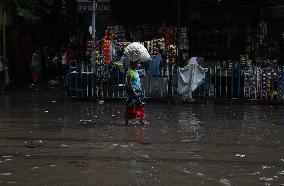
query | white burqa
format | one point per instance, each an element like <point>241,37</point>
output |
<point>193,61</point>
<point>189,78</point>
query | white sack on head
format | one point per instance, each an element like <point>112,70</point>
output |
<point>136,52</point>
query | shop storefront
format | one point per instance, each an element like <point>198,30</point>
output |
<point>241,44</point>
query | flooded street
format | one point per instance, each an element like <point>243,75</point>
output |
<point>47,139</point>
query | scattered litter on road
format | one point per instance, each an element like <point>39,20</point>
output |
<point>265,167</point>
<point>145,156</point>
<point>200,174</point>
<point>240,155</point>
<point>255,173</point>
<point>187,171</point>
<point>85,120</point>
<point>6,156</point>
<point>5,174</point>
<point>33,144</point>
<point>82,163</point>
<point>266,179</point>
<point>225,182</point>
<point>124,146</point>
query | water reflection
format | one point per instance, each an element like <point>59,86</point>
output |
<point>137,134</point>
<point>188,121</point>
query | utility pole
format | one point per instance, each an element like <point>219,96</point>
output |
<point>178,28</point>
<point>94,12</point>
<point>4,28</point>
<point>94,20</point>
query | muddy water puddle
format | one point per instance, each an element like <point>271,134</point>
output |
<point>87,143</point>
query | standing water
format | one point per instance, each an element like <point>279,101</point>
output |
<point>86,143</point>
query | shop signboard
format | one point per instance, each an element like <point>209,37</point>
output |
<point>104,7</point>
<point>86,6</point>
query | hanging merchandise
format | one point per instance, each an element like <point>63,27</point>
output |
<point>275,84</point>
<point>96,54</point>
<point>151,47</point>
<point>263,84</point>
<point>96,57</point>
<point>258,82</point>
<point>282,83</point>
<point>243,61</point>
<point>118,64</point>
<point>155,46</point>
<point>123,45</point>
<point>154,64</point>
<point>114,42</point>
<point>269,83</point>
<point>161,44</point>
<point>279,83</point>
<point>172,54</point>
<point>121,35</point>
<point>263,62</point>
<point>107,51</point>
<point>115,33</point>
<point>246,85</point>
<point>250,83</point>
<point>158,45</point>
<point>89,47</point>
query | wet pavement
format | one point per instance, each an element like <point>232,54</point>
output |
<point>47,139</point>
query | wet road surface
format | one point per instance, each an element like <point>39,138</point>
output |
<point>46,139</point>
